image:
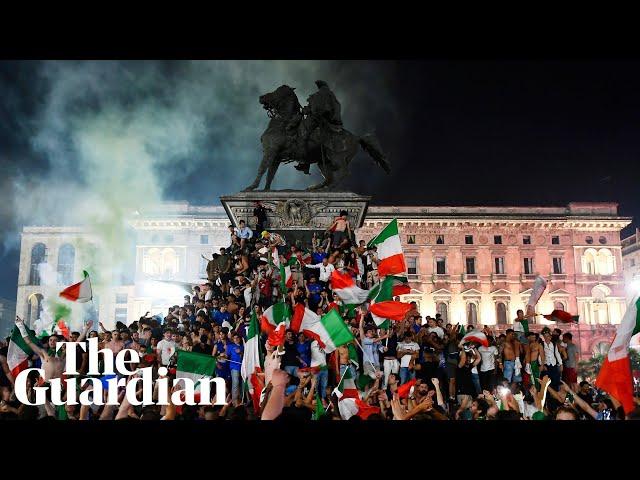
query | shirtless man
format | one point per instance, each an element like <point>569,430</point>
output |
<point>52,365</point>
<point>534,357</point>
<point>341,230</point>
<point>116,343</point>
<point>510,354</point>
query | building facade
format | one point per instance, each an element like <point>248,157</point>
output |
<point>471,264</point>
<point>631,260</point>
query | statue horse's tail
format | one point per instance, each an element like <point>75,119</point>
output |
<point>370,144</point>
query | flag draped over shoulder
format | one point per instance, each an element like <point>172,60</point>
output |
<point>79,292</point>
<point>615,374</point>
<point>390,256</point>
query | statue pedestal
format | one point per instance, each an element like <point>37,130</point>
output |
<point>296,214</point>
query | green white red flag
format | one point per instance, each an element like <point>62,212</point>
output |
<point>615,376</point>
<point>79,292</point>
<point>329,330</point>
<point>343,285</point>
<point>390,256</point>
<point>252,362</point>
<point>562,317</point>
<point>19,352</point>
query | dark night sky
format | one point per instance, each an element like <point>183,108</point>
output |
<point>457,132</point>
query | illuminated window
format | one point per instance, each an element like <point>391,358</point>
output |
<point>34,308</point>
<point>443,310</point>
<point>472,313</point>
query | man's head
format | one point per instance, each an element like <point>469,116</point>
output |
<point>289,335</point>
<point>566,413</point>
<point>242,224</point>
<point>167,334</point>
<point>585,388</point>
<point>236,338</point>
<point>222,251</point>
<point>432,322</point>
<point>422,388</point>
<point>531,337</point>
<point>369,332</point>
<point>567,338</point>
<point>520,314</point>
<point>509,333</point>
<point>75,336</point>
<point>546,334</point>
<point>53,339</point>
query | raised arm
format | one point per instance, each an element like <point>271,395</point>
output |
<point>578,401</point>
<point>85,331</point>
<point>25,336</point>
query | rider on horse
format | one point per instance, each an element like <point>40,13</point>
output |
<point>322,113</point>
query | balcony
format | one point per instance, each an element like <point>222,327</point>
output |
<point>558,277</point>
<point>498,277</point>
<point>527,277</point>
<point>440,277</point>
<point>470,278</point>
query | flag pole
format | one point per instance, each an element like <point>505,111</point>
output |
<point>337,386</point>
<point>358,343</point>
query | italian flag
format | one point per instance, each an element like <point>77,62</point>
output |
<point>390,256</point>
<point>476,336</point>
<point>347,387</point>
<point>274,321</point>
<point>286,281</point>
<point>319,411</point>
<point>539,285</point>
<point>615,375</point>
<point>405,388</point>
<point>383,306</point>
<point>354,406</point>
<point>389,310</point>
<point>252,363</point>
<point>19,352</point>
<point>562,316</point>
<point>195,366</point>
<point>329,330</point>
<point>346,289</point>
<point>79,292</point>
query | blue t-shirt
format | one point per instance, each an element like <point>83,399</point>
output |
<point>219,317</point>
<point>222,366</point>
<point>314,290</point>
<point>234,353</point>
<point>304,351</point>
<point>318,256</point>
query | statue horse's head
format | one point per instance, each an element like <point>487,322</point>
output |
<point>282,99</point>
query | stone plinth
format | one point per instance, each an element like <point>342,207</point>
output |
<point>297,211</point>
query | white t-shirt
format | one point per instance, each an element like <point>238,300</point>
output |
<point>166,348</point>
<point>411,346</point>
<point>517,326</point>
<point>488,356</point>
<point>318,357</point>
<point>439,331</point>
<point>247,295</point>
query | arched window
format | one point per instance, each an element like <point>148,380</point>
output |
<point>472,313</point>
<point>34,308</point>
<point>169,262</point>
<point>606,262</point>
<point>558,306</point>
<point>38,256</point>
<point>152,261</point>
<point>66,259</point>
<point>442,309</point>
<point>589,261</point>
<point>501,313</point>
<point>600,293</point>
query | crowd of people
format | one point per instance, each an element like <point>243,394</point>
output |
<point>414,369</point>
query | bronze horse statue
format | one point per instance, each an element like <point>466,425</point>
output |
<point>292,135</point>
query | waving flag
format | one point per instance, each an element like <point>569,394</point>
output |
<point>562,316</point>
<point>79,292</point>
<point>615,375</point>
<point>476,336</point>
<point>390,256</point>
